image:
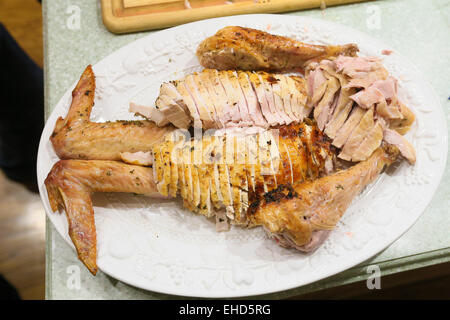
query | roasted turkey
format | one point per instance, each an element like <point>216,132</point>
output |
<point>248,147</point>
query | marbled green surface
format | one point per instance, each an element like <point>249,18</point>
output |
<point>416,29</point>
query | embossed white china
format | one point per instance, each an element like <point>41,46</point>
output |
<point>158,246</point>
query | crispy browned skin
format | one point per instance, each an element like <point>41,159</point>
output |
<point>295,212</point>
<point>75,137</point>
<point>70,184</point>
<point>249,49</point>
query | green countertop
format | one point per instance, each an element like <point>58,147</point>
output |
<point>417,29</point>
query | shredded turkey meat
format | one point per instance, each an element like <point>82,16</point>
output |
<point>356,104</point>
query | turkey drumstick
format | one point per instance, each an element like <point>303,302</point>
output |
<point>236,47</point>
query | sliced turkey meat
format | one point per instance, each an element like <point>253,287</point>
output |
<point>354,109</point>
<point>241,101</point>
<point>150,113</point>
<point>169,89</point>
<point>266,80</point>
<point>317,84</point>
<point>278,99</point>
<point>219,95</point>
<point>396,139</point>
<point>338,118</point>
<point>253,105</point>
<point>215,99</point>
<point>205,111</point>
<point>188,101</point>
<point>368,98</point>
<point>357,136</point>
<point>387,87</point>
<point>403,124</point>
<point>390,112</point>
<point>348,127</point>
<point>297,87</point>
<point>259,89</point>
<point>139,158</point>
<point>232,94</point>
<point>355,67</point>
<point>286,97</point>
<point>370,143</point>
<point>203,87</point>
<point>323,110</point>
<point>173,112</point>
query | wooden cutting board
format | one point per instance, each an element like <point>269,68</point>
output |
<point>123,16</point>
